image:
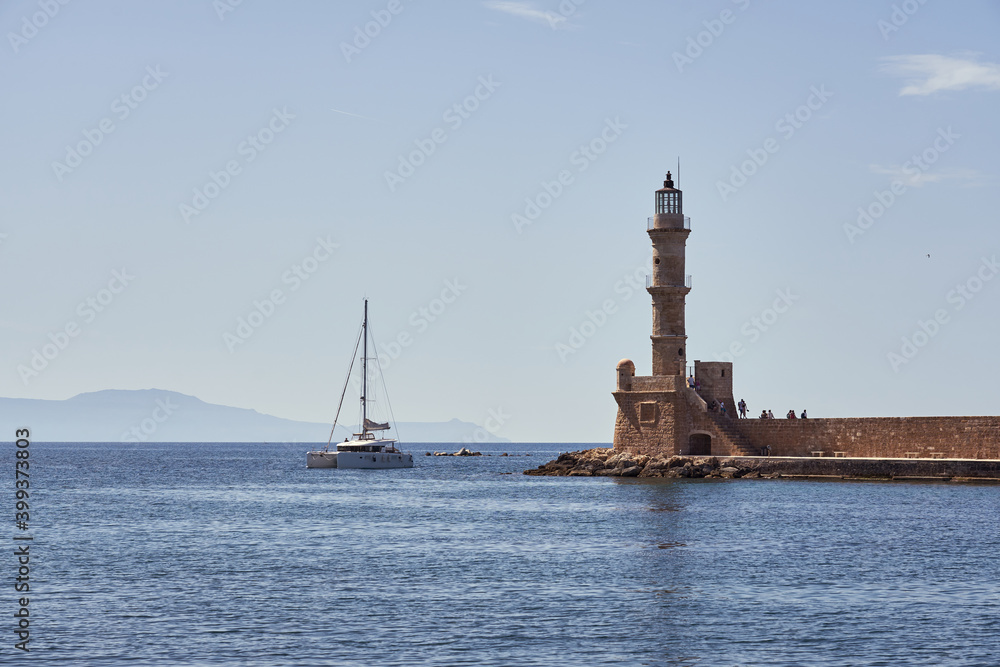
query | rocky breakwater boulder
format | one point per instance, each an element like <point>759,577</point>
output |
<point>462,452</point>
<point>604,462</point>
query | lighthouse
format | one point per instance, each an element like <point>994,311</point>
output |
<point>668,286</point>
<point>660,413</point>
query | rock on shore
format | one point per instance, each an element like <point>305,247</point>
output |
<point>606,462</point>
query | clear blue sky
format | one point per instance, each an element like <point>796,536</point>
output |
<point>291,125</point>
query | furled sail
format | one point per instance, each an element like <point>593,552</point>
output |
<point>375,426</point>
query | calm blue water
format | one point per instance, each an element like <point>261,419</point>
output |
<point>239,555</point>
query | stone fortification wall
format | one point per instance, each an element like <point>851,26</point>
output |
<point>878,437</point>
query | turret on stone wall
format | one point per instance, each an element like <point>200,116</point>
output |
<point>715,379</point>
<point>626,371</point>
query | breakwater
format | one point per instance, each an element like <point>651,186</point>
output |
<point>606,462</point>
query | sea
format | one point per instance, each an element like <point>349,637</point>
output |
<point>237,554</point>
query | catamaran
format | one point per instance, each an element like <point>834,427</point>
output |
<point>366,449</point>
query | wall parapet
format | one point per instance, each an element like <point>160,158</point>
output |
<point>657,383</point>
<point>877,437</point>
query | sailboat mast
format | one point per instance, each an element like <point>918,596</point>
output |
<point>364,374</point>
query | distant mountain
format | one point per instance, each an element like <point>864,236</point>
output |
<point>154,415</point>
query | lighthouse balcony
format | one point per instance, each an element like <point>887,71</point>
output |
<point>649,282</point>
<point>665,222</point>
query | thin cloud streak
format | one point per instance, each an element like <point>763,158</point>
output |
<point>347,113</point>
<point>915,179</point>
<point>527,11</point>
<point>929,73</point>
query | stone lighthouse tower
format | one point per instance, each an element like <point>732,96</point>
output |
<point>669,229</point>
<point>660,413</point>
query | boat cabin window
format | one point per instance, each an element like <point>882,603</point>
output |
<point>344,447</point>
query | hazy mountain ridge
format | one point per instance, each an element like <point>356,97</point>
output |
<point>154,415</point>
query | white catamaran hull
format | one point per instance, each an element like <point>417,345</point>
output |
<point>321,459</point>
<point>374,460</point>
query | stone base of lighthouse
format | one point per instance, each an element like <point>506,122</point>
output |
<point>661,416</point>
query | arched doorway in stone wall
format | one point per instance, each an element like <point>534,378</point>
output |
<point>700,444</point>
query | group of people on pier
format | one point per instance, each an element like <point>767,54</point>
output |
<point>767,414</point>
<point>720,406</point>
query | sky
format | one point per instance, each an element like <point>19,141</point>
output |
<point>198,195</point>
